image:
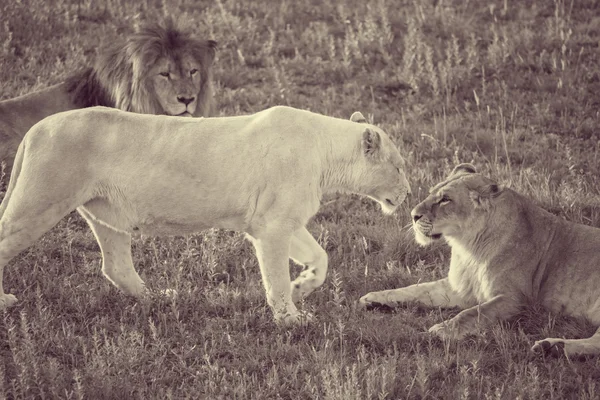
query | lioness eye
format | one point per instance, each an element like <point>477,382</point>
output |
<point>445,199</point>
<point>193,71</point>
<point>166,74</point>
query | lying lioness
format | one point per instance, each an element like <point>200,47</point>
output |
<point>263,174</point>
<point>506,252</point>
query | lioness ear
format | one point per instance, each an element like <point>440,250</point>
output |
<point>464,168</point>
<point>358,117</point>
<point>482,195</point>
<point>371,142</point>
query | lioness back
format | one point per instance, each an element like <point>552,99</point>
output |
<point>275,155</point>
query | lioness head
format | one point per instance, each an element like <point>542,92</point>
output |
<point>457,205</point>
<point>382,177</point>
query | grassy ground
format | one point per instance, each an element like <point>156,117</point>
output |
<point>513,87</point>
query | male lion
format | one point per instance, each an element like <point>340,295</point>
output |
<point>263,174</point>
<point>506,252</point>
<point>158,70</point>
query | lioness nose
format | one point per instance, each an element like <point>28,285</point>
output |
<point>185,100</point>
<point>416,217</point>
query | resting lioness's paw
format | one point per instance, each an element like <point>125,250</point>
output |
<point>7,300</point>
<point>549,347</point>
<point>373,301</point>
<point>450,329</point>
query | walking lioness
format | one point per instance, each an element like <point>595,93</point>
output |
<point>263,174</point>
<point>506,252</point>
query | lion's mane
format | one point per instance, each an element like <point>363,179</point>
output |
<point>118,78</point>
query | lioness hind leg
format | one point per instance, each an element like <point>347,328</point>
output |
<point>18,232</point>
<point>305,250</point>
<point>568,347</point>
<point>117,263</point>
<point>272,251</point>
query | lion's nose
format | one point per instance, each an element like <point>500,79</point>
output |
<point>416,217</point>
<point>185,100</point>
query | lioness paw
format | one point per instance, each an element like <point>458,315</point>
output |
<point>549,347</point>
<point>297,318</point>
<point>300,289</point>
<point>450,329</point>
<point>375,301</point>
<point>7,300</point>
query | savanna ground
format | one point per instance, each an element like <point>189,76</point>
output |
<point>512,86</point>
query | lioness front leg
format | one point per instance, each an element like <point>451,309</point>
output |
<point>470,320</point>
<point>568,347</point>
<point>272,251</point>
<point>432,294</point>
<point>117,263</point>
<point>305,250</point>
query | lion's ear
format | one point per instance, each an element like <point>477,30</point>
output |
<point>464,168</point>
<point>371,142</point>
<point>482,195</point>
<point>213,46</point>
<point>358,117</point>
<point>210,51</point>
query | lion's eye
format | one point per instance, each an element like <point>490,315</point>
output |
<point>445,200</point>
<point>193,71</point>
<point>165,74</point>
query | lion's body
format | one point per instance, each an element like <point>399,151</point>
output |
<point>506,253</point>
<point>126,76</point>
<point>18,115</point>
<point>263,174</point>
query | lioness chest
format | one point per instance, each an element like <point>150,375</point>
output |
<point>469,276</point>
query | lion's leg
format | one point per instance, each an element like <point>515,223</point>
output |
<point>272,251</point>
<point>558,347</point>
<point>470,320</point>
<point>117,263</point>
<point>305,250</point>
<point>432,294</point>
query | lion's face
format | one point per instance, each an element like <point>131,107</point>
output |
<point>177,84</point>
<point>160,70</point>
<point>455,206</point>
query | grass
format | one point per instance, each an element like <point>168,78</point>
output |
<point>510,86</point>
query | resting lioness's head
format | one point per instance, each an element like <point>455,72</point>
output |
<point>382,175</point>
<point>457,205</point>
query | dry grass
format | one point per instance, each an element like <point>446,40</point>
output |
<point>510,86</point>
